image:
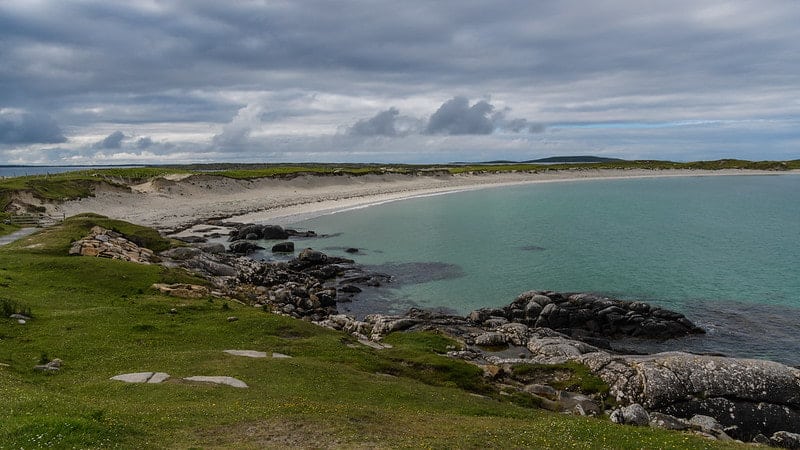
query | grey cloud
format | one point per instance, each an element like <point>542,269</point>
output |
<point>112,141</point>
<point>144,142</point>
<point>382,124</point>
<point>29,128</point>
<point>456,116</point>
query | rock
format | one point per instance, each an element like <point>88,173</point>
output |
<point>542,390</point>
<point>142,377</point>
<point>182,290</point>
<point>350,289</point>
<point>590,316</point>
<point>212,248</point>
<point>667,422</point>
<point>351,250</point>
<point>494,322</point>
<point>283,247</point>
<point>192,239</point>
<point>491,339</point>
<point>232,319</point>
<point>182,253</point>
<point>247,353</point>
<point>229,381</point>
<point>110,244</point>
<point>578,404</point>
<point>50,366</point>
<point>785,439</point>
<point>273,232</point>
<point>761,439</point>
<point>313,256</point>
<point>709,425</point>
<point>252,236</point>
<point>173,311</point>
<point>243,247</point>
<point>19,316</point>
<point>633,414</point>
<point>741,419</point>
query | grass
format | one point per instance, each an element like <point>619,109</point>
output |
<point>102,319</point>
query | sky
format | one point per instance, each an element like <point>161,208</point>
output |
<point>179,81</point>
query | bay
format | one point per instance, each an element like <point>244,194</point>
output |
<point>724,250</point>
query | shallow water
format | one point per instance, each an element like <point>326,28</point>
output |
<point>723,250</point>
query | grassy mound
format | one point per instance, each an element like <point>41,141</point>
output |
<point>102,319</point>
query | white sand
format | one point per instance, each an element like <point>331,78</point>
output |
<point>169,204</point>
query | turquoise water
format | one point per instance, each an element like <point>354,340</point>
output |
<point>723,250</point>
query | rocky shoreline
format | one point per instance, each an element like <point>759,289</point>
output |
<point>719,397</point>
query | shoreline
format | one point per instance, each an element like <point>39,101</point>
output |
<point>175,203</point>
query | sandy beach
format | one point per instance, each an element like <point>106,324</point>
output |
<point>177,202</point>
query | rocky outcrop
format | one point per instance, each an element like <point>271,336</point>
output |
<point>105,243</point>
<point>589,315</point>
<point>746,396</point>
<point>257,231</point>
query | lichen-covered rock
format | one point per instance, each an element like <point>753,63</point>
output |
<point>785,439</point>
<point>182,290</point>
<point>105,243</point>
<point>634,414</point>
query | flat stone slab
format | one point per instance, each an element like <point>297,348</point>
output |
<point>280,355</point>
<point>229,381</point>
<point>373,344</point>
<point>247,353</point>
<point>142,377</point>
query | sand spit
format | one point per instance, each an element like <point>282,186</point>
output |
<point>174,203</point>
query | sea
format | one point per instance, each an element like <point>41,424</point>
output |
<point>22,171</point>
<point>723,250</point>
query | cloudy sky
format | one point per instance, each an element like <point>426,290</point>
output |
<point>152,81</point>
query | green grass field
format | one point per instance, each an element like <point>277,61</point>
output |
<point>102,319</point>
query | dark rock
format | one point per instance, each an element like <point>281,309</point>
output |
<point>303,234</point>
<point>182,253</point>
<point>785,439</point>
<point>243,247</point>
<point>212,248</point>
<point>351,250</point>
<point>252,236</point>
<point>192,239</point>
<point>350,289</point>
<point>761,439</point>
<point>273,232</point>
<point>313,256</point>
<point>741,419</point>
<point>283,247</point>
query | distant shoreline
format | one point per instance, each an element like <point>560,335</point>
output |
<point>177,202</point>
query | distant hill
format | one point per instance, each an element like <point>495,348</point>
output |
<point>553,160</point>
<point>573,159</point>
